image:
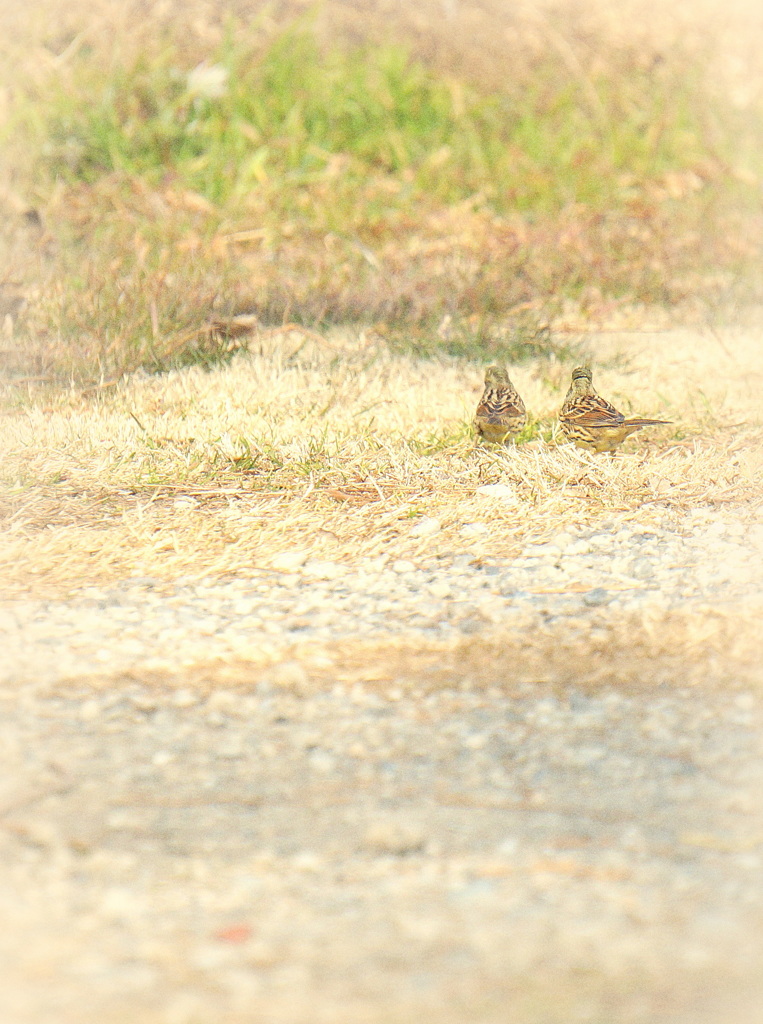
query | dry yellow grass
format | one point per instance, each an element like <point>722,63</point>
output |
<point>337,448</point>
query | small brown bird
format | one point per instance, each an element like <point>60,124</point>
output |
<point>501,413</point>
<point>591,421</point>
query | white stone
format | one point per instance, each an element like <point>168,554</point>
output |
<point>578,547</point>
<point>322,761</point>
<point>473,529</point>
<point>90,710</point>
<point>288,561</point>
<point>496,491</point>
<point>185,698</point>
<point>745,701</point>
<point>323,570</point>
<point>289,675</point>
<point>562,540</point>
<point>120,902</point>
<point>306,861</point>
<point>375,565</point>
<point>508,847</point>
<point>476,741</point>
<point>426,527</point>
<point>222,700</point>
<point>716,529</point>
<point>543,551</point>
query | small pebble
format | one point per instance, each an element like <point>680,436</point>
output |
<point>496,491</point>
<point>393,837</point>
<point>473,529</point>
<point>426,527</point>
<point>90,710</point>
<point>288,561</point>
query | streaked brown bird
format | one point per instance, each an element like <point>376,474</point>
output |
<point>591,421</point>
<point>501,413</point>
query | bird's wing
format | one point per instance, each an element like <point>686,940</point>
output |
<point>499,404</point>
<point>593,411</point>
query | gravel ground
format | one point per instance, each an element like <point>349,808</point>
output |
<point>294,841</point>
<point>622,569</point>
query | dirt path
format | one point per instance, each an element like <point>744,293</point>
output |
<point>512,852</point>
<point>505,799</point>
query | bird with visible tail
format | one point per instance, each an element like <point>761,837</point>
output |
<point>591,421</point>
<point>501,412</point>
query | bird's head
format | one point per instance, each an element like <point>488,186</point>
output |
<point>497,376</point>
<point>582,381</point>
<point>582,373</point>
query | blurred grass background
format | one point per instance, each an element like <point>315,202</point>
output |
<point>462,177</point>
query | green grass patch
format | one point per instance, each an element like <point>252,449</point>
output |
<point>244,117</point>
<point>360,184</point>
